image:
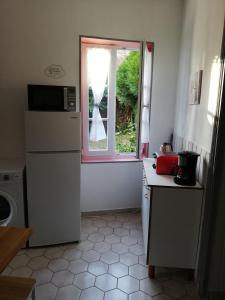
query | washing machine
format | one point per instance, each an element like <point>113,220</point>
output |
<point>12,211</point>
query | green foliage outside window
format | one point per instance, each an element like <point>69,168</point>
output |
<point>127,95</point>
<point>127,81</point>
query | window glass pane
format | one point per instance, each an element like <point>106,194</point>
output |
<point>104,104</point>
<point>127,79</point>
<point>98,145</point>
<point>103,108</point>
<point>91,101</point>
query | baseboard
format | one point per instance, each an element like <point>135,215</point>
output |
<point>111,211</point>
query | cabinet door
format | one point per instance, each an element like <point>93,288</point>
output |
<point>145,215</point>
<point>175,223</point>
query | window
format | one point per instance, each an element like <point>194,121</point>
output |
<point>110,98</point>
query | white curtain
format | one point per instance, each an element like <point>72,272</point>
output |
<point>98,68</point>
<point>146,96</point>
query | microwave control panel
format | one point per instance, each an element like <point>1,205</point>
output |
<point>70,98</point>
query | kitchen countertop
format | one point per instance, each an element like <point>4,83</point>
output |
<point>156,180</point>
<point>11,240</point>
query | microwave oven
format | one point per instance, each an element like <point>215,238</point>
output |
<point>51,98</point>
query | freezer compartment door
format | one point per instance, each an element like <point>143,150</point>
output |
<point>52,131</point>
<point>53,196</point>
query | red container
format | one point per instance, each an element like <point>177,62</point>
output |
<point>167,165</point>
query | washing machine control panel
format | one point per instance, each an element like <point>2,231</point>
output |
<point>8,176</point>
<point>5,177</point>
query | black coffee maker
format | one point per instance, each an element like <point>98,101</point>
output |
<point>187,162</point>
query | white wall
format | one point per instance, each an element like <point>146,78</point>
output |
<point>117,186</point>
<point>200,45</point>
<point>35,34</point>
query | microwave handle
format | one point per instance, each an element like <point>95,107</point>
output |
<point>65,99</point>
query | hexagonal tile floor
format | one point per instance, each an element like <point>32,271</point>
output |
<point>108,264</point>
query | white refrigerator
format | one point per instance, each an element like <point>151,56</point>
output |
<point>53,176</point>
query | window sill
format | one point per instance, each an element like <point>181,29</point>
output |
<point>110,159</point>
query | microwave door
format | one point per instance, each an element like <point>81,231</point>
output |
<point>46,98</point>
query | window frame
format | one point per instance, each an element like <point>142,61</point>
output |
<point>143,148</point>
<point>84,105</point>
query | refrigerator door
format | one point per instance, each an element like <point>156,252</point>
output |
<point>52,131</point>
<point>53,196</point>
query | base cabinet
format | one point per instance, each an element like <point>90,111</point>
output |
<point>171,218</point>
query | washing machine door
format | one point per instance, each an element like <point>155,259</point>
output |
<point>7,209</point>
